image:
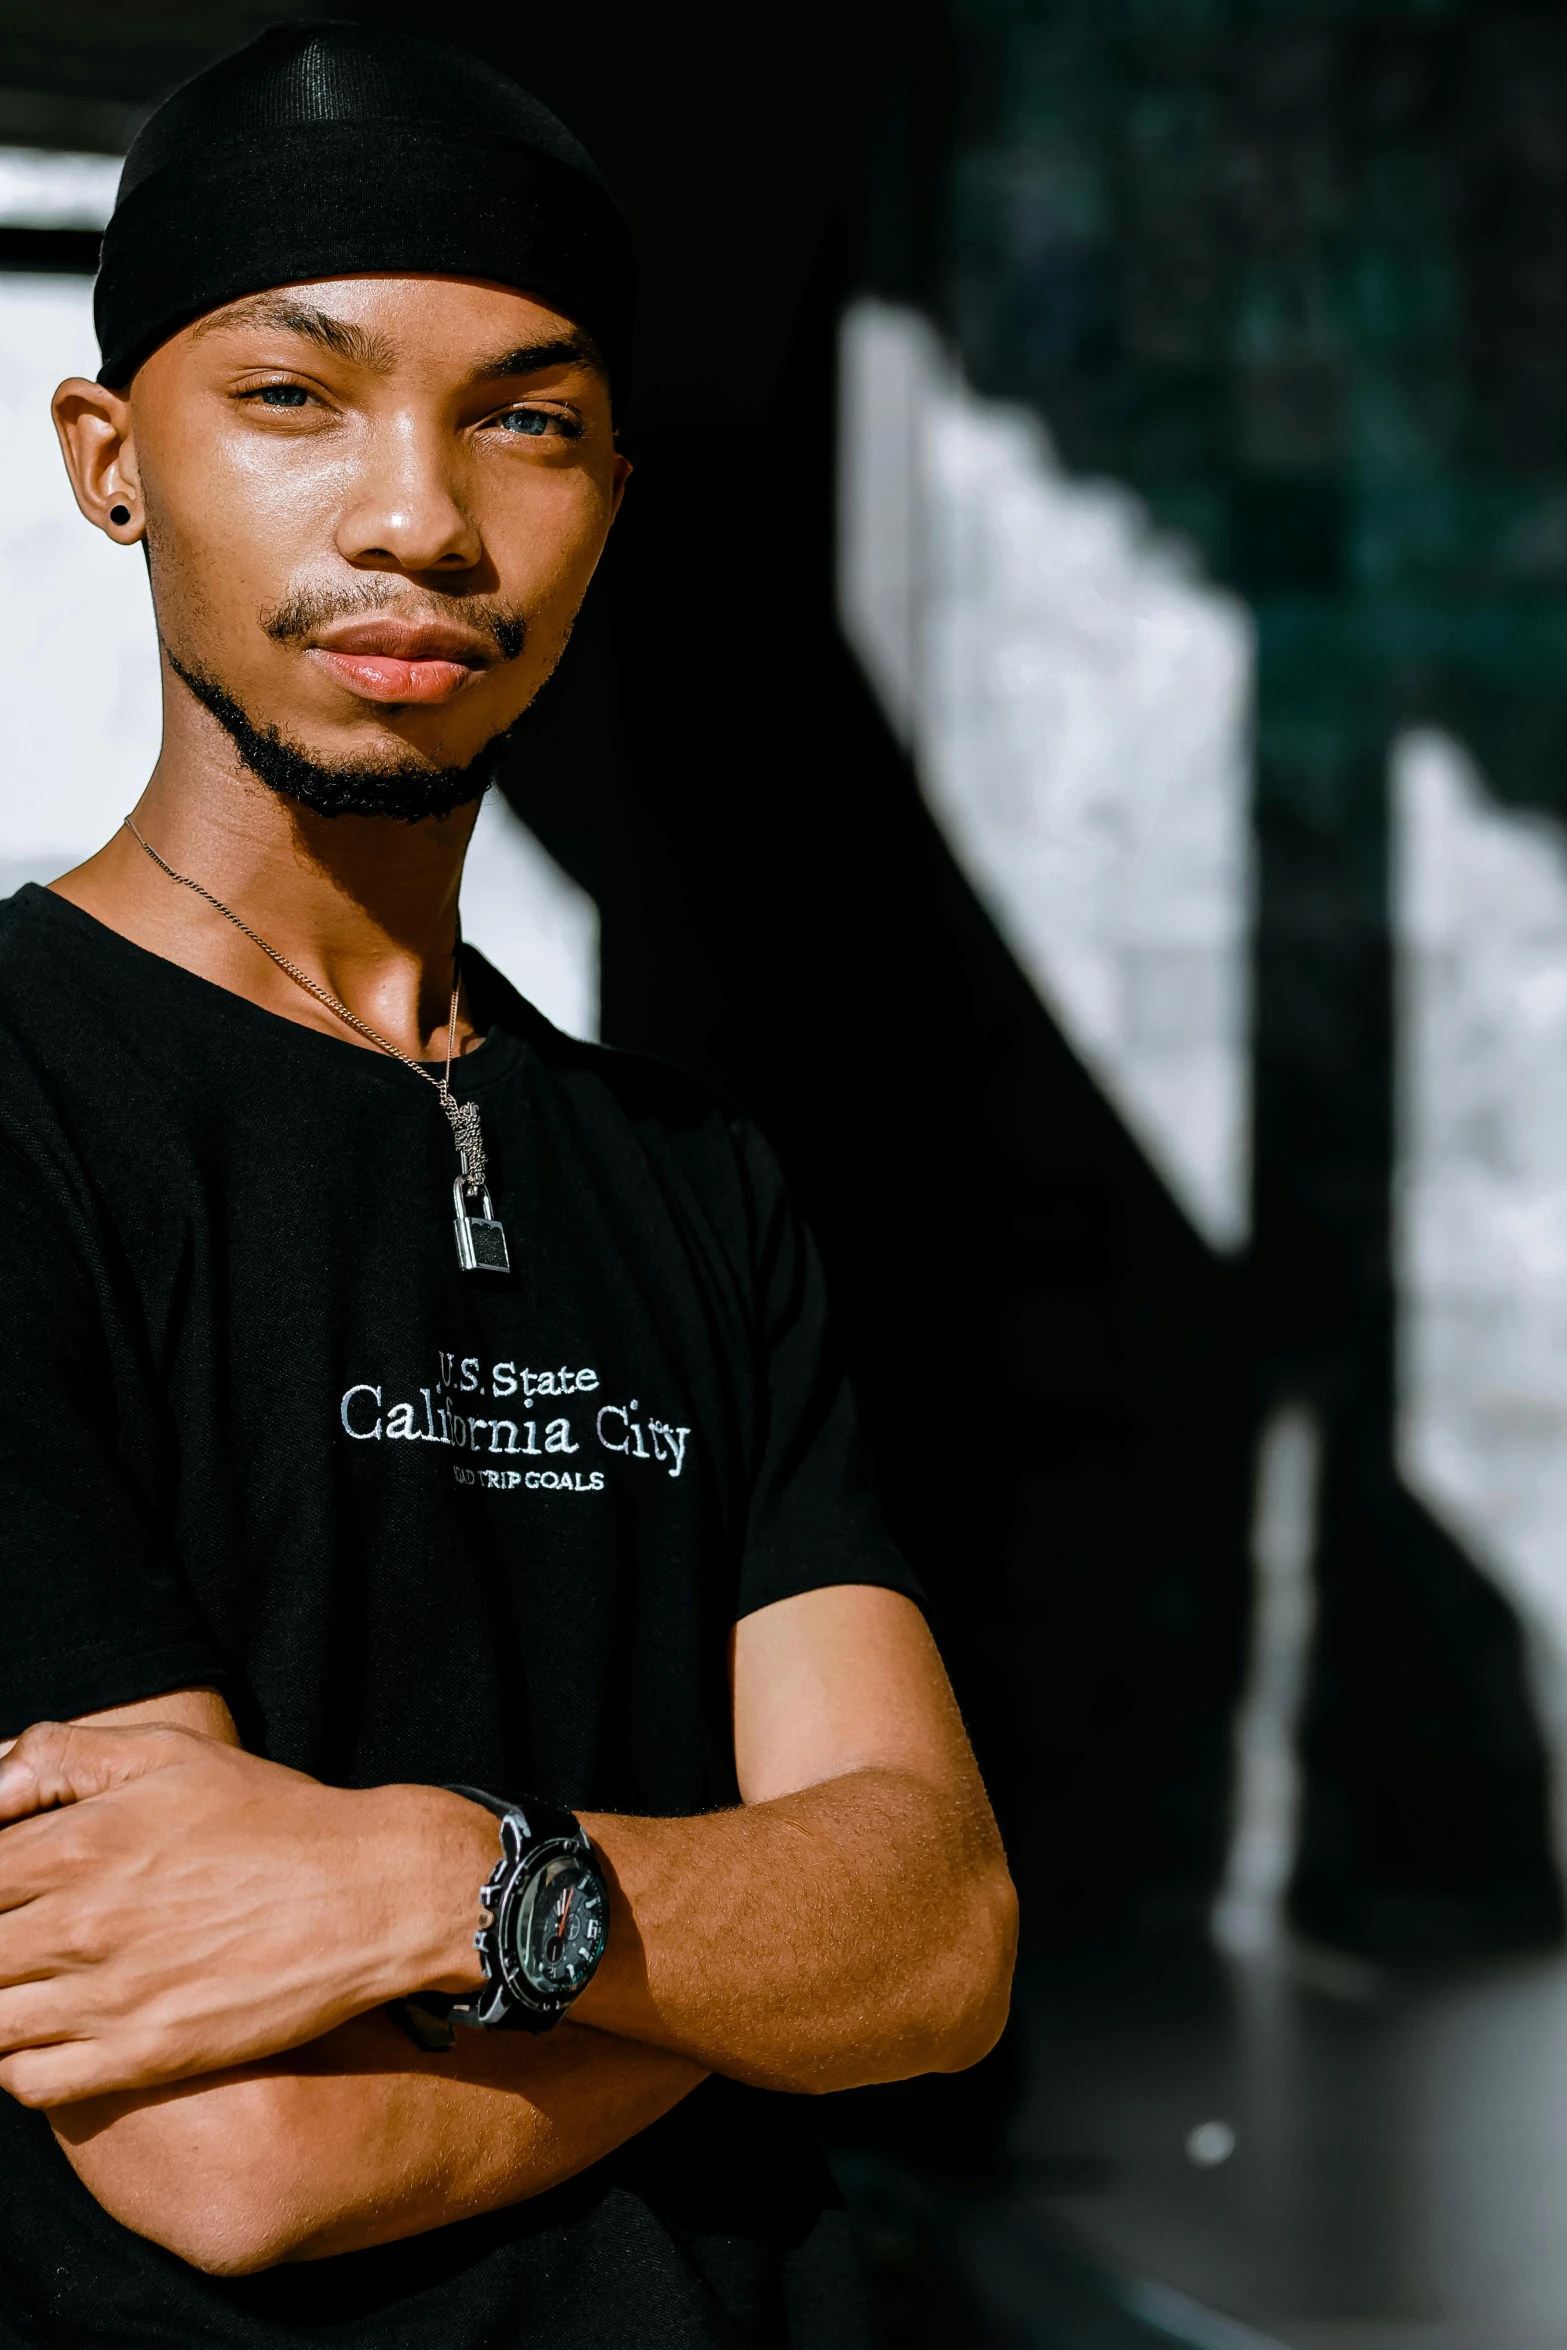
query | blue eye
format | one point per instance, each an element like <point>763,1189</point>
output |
<point>533,422</point>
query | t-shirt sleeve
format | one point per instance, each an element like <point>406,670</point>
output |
<point>93,1611</point>
<point>812,1520</point>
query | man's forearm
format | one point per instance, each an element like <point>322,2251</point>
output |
<point>860,1930</point>
<point>360,2139</point>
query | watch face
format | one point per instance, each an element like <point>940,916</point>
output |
<point>560,1927</point>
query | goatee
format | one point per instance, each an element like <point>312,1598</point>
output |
<point>341,787</point>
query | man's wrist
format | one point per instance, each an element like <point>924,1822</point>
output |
<point>618,1991</point>
<point>437,1852</point>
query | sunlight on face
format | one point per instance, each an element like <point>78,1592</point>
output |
<point>372,509</point>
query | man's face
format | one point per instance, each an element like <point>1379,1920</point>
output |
<point>373,506</point>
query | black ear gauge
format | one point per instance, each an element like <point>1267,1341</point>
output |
<point>120,515</point>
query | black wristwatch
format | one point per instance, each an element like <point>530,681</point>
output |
<point>547,1915</point>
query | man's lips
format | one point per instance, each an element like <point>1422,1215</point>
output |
<point>382,677</point>
<point>388,660</point>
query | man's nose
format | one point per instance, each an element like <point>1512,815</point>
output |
<point>407,505</point>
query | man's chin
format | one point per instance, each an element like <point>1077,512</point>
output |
<point>379,771</point>
<point>406,795</point>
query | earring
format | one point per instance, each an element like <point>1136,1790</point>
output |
<point>120,515</point>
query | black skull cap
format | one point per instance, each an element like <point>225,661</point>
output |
<point>326,149</point>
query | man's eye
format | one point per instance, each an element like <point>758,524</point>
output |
<point>281,395</point>
<point>535,422</point>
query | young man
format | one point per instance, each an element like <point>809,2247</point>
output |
<point>473,1743</point>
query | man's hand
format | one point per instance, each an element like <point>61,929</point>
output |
<point>357,2138</point>
<point>171,1905</point>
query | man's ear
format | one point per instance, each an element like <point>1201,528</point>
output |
<point>100,456</point>
<point>618,481</point>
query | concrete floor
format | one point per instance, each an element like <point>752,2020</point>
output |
<point>1398,2179</point>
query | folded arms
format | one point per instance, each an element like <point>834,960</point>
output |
<point>195,1950</point>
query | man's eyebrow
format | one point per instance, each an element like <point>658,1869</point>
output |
<point>533,358</point>
<point>337,335</point>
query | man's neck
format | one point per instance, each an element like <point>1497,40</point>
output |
<point>367,906</point>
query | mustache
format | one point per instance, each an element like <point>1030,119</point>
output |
<point>308,609</point>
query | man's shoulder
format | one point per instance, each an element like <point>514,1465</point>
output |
<point>50,953</point>
<point>39,976</point>
<point>24,930</point>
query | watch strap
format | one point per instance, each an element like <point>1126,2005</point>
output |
<point>424,2017</point>
<point>541,1821</point>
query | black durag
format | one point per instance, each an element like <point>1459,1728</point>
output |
<point>333,150</point>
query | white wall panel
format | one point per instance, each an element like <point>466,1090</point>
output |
<point>40,189</point>
<point>1480,913</point>
<point>75,616</point>
<point>1077,701</point>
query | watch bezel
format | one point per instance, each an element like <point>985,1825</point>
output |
<point>509,2000</point>
<point>509,1919</point>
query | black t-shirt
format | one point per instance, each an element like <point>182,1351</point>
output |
<point>258,1427</point>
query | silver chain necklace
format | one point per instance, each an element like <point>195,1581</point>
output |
<point>481,1238</point>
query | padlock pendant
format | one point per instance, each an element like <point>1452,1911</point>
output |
<point>481,1240</point>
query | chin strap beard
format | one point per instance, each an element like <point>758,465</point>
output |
<point>409,795</point>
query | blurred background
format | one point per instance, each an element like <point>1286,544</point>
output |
<point>1072,732</point>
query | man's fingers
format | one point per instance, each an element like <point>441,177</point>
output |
<point>58,2072</point>
<point>33,2015</point>
<point>60,1762</point>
